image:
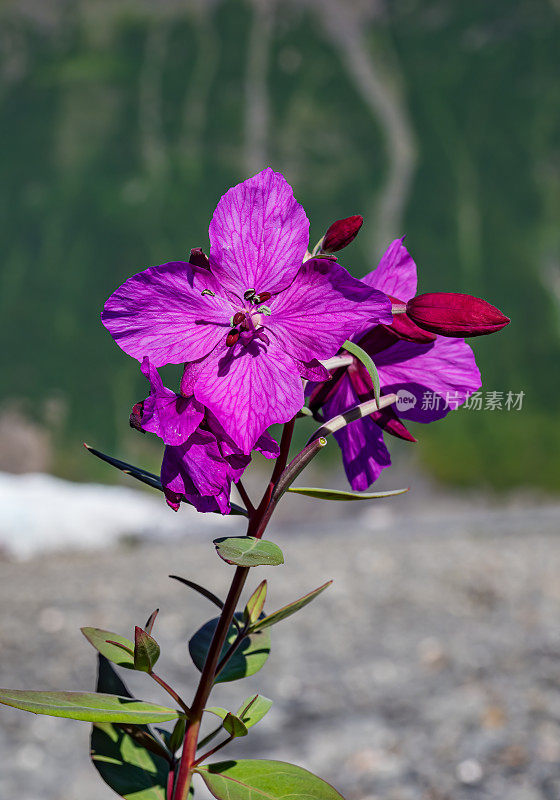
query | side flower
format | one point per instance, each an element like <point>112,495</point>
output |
<point>411,363</point>
<point>200,460</point>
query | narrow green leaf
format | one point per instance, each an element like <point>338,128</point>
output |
<point>177,735</point>
<point>367,361</point>
<point>234,726</point>
<point>127,757</point>
<point>247,551</point>
<point>103,641</point>
<point>144,476</point>
<point>287,611</point>
<point>253,709</point>
<point>335,494</point>
<point>249,657</point>
<point>255,603</point>
<point>146,650</point>
<point>87,706</point>
<point>218,711</point>
<point>264,780</point>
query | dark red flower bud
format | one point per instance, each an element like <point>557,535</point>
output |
<point>403,327</point>
<point>136,416</point>
<point>238,317</point>
<point>232,337</point>
<point>455,315</point>
<point>341,233</point>
<point>198,258</point>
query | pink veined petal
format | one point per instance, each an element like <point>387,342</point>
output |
<point>197,470</point>
<point>313,371</point>
<point>322,308</point>
<point>170,416</point>
<point>364,453</point>
<point>446,368</point>
<point>161,313</point>
<point>250,388</point>
<point>395,273</point>
<point>258,235</point>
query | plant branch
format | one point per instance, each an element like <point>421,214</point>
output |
<point>180,702</point>
<point>212,751</point>
<point>245,497</point>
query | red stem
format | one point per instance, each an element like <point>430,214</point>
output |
<point>254,528</point>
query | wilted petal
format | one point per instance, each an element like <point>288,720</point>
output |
<point>258,234</point>
<point>170,416</point>
<point>161,313</point>
<point>445,369</point>
<point>250,388</point>
<point>322,308</point>
<point>395,273</point>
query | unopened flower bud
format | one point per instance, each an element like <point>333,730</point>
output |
<point>198,258</point>
<point>455,315</point>
<point>341,233</point>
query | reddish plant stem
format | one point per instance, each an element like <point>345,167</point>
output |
<point>211,752</point>
<point>205,685</point>
<point>179,700</point>
<point>245,497</point>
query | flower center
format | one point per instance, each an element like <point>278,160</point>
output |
<point>248,322</point>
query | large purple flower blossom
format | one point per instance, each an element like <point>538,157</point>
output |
<point>256,322</point>
<point>429,377</point>
<point>200,460</point>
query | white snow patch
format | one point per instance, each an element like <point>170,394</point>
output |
<point>41,513</point>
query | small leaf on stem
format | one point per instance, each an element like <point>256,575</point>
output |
<point>117,649</point>
<point>249,657</point>
<point>336,494</point>
<point>150,623</point>
<point>247,551</point>
<point>234,726</point>
<point>255,603</point>
<point>288,610</point>
<point>253,709</point>
<point>146,650</point>
<point>367,361</point>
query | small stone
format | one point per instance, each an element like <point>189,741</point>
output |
<point>469,771</point>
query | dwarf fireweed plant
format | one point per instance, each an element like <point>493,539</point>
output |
<point>266,332</point>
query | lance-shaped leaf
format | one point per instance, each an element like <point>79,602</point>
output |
<point>125,756</point>
<point>253,709</point>
<point>264,780</point>
<point>87,706</point>
<point>255,603</point>
<point>367,361</point>
<point>335,494</point>
<point>144,476</point>
<point>248,658</point>
<point>148,627</point>
<point>146,650</point>
<point>288,610</point>
<point>117,649</point>
<point>247,551</point>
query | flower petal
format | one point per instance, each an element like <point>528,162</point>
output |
<point>249,388</point>
<point>161,313</point>
<point>258,235</point>
<point>364,453</point>
<point>322,308</point>
<point>395,273</point>
<point>445,369</point>
<point>197,470</point>
<point>170,416</point>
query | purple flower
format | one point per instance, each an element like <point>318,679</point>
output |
<point>429,377</point>
<point>200,460</point>
<point>253,325</point>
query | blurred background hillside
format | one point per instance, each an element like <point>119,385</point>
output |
<point>122,122</point>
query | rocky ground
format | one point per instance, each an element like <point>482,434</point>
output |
<point>430,670</point>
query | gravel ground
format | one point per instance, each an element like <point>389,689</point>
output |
<point>430,670</point>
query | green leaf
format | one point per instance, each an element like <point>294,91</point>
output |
<point>103,643</point>
<point>144,476</point>
<point>177,735</point>
<point>87,706</point>
<point>253,709</point>
<point>146,650</point>
<point>255,603</point>
<point>246,551</point>
<point>124,754</point>
<point>249,657</point>
<point>335,494</point>
<point>362,356</point>
<point>234,726</point>
<point>264,780</point>
<point>287,611</point>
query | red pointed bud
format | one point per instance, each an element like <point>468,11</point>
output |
<point>341,233</point>
<point>198,258</point>
<point>455,315</point>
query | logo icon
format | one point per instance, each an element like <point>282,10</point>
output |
<point>405,400</point>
